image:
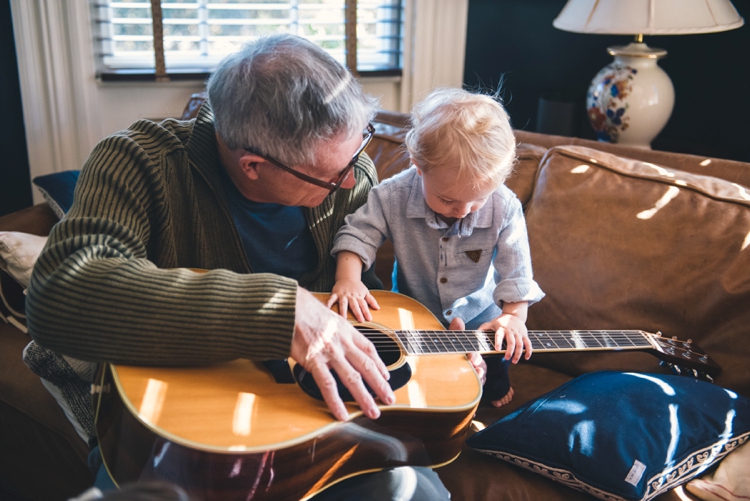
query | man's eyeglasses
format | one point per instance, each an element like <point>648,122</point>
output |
<point>332,186</point>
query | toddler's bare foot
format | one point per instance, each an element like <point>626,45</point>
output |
<point>507,398</point>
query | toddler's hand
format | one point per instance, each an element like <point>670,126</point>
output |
<point>480,366</point>
<point>354,295</point>
<point>513,330</point>
<point>475,359</point>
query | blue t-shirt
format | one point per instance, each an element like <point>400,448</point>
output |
<point>275,237</point>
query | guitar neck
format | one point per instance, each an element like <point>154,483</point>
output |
<point>421,342</point>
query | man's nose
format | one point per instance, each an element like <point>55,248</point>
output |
<point>350,181</point>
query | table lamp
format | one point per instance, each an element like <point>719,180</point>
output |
<point>630,100</point>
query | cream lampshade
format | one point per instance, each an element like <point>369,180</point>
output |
<point>630,100</point>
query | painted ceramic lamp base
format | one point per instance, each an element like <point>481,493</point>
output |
<point>630,100</point>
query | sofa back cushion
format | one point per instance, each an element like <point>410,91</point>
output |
<point>623,244</point>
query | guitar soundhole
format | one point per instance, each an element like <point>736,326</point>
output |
<point>388,351</point>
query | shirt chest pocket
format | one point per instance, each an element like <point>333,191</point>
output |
<point>474,256</point>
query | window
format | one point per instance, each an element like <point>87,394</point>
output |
<point>198,33</point>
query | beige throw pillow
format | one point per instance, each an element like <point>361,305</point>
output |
<point>18,253</point>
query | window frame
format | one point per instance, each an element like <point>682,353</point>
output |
<point>158,70</point>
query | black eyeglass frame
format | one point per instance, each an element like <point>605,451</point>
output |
<point>317,182</point>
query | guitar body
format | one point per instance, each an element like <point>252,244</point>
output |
<point>231,432</point>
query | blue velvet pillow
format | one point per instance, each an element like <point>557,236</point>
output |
<point>57,189</point>
<point>619,435</point>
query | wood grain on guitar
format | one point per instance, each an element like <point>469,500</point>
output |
<point>230,432</point>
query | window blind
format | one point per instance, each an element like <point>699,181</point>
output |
<point>198,33</point>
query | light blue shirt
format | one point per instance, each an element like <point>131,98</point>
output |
<point>466,270</point>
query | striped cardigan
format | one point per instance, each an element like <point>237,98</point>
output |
<point>114,281</point>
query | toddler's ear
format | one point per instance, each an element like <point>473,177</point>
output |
<point>419,171</point>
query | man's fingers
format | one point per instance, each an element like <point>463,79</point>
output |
<point>327,386</point>
<point>354,382</point>
<point>368,350</point>
<point>366,362</point>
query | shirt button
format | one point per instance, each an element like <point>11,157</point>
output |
<point>449,312</point>
<point>443,280</point>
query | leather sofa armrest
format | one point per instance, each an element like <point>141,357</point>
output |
<point>37,220</point>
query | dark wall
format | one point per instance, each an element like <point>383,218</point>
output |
<point>15,185</point>
<point>514,42</point>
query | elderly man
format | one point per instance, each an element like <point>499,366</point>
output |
<point>254,190</point>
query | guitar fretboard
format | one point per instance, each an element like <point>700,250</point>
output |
<point>422,342</point>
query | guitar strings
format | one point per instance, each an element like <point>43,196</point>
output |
<point>439,340</point>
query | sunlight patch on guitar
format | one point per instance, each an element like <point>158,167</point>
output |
<point>153,400</point>
<point>243,413</point>
<point>333,469</point>
<point>416,395</point>
<point>577,340</point>
<point>406,319</point>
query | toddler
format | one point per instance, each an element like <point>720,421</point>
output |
<point>458,232</point>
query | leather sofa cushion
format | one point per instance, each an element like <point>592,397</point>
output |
<point>623,244</point>
<point>730,170</point>
<point>521,181</point>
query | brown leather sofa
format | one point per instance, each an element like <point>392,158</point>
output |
<point>621,238</point>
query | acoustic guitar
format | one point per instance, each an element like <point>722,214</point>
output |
<point>231,431</point>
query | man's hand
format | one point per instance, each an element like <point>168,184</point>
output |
<point>323,341</point>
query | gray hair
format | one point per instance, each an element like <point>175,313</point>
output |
<point>283,95</point>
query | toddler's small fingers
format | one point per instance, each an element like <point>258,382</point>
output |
<point>365,310</point>
<point>356,310</point>
<point>529,347</point>
<point>372,301</point>
<point>332,300</point>
<point>343,306</point>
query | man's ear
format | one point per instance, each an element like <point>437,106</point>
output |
<point>249,165</point>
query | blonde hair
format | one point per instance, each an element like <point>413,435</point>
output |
<point>454,128</point>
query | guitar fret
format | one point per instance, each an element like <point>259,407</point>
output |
<point>450,340</point>
<point>590,340</point>
<point>638,339</point>
<point>413,347</point>
<point>467,344</point>
<point>418,342</point>
<point>609,342</point>
<point>565,341</point>
<point>484,341</point>
<point>445,348</point>
<point>432,343</point>
<point>536,342</point>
